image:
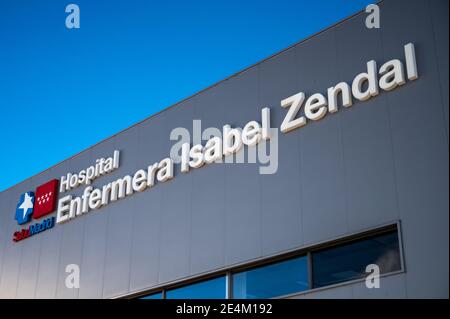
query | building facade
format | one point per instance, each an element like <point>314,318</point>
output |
<point>356,182</point>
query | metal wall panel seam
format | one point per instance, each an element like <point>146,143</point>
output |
<point>396,186</point>
<point>437,68</point>
<point>341,136</point>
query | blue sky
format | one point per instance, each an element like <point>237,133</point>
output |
<point>129,59</point>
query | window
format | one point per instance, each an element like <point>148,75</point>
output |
<point>210,289</point>
<point>157,295</point>
<point>348,261</point>
<point>272,280</point>
<point>339,261</point>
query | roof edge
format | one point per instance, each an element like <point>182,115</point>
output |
<point>195,94</point>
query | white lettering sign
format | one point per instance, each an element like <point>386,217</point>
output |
<point>365,85</point>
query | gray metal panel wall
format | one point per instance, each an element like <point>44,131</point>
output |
<point>374,163</point>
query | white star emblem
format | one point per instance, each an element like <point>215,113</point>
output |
<point>26,205</point>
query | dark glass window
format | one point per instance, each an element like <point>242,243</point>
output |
<point>273,280</point>
<point>157,295</point>
<point>349,261</point>
<point>209,289</point>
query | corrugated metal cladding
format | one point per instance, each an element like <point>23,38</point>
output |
<point>380,161</point>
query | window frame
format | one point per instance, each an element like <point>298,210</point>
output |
<point>297,252</point>
<point>350,242</point>
<point>265,264</point>
<point>187,284</point>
